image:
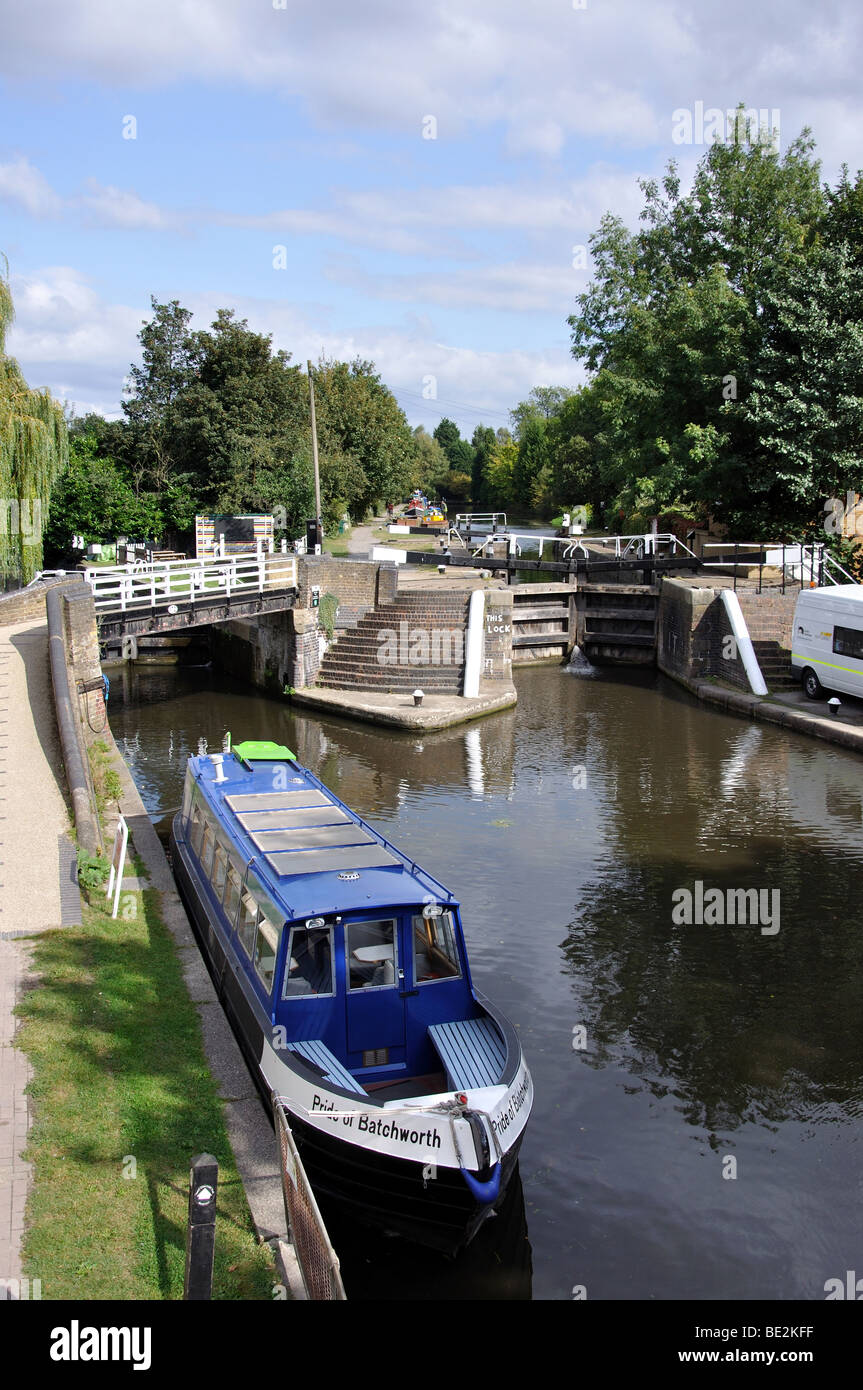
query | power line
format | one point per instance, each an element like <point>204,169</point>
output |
<point>431,404</point>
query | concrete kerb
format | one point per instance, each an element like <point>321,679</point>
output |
<point>75,759</point>
<point>772,712</point>
<point>398,710</point>
<point>249,1131</point>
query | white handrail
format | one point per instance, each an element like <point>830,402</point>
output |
<point>117,588</point>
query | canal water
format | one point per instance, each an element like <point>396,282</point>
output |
<point>698,1123</point>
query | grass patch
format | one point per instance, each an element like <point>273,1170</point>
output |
<point>337,546</point>
<point>123,1099</point>
<point>106,781</point>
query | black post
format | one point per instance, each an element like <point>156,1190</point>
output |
<point>736,555</point>
<point>201,1235</point>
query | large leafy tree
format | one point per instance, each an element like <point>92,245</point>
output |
<point>360,418</point>
<point>482,443</point>
<point>33,453</point>
<point>154,390</point>
<point>672,325</point>
<point>431,464</point>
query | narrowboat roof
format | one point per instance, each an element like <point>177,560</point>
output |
<point>314,854</point>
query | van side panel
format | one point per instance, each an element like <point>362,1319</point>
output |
<point>815,642</point>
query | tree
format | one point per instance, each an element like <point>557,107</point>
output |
<point>532,457</point>
<point>482,443</point>
<point>95,500</point>
<point>499,471</point>
<point>154,391</point>
<point>542,403</point>
<point>671,327</point>
<point>802,419</point>
<point>431,464</point>
<point>359,416</point>
<point>33,453</point>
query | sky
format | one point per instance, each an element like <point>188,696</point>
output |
<point>411,182</point>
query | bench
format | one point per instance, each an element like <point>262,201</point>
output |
<point>472,1051</point>
<point>315,1051</point>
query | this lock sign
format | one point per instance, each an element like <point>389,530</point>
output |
<point>316,596</point>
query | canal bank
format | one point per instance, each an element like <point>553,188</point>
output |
<point>79,1041</point>
<point>788,710</point>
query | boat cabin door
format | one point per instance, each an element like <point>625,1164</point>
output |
<point>374,979</point>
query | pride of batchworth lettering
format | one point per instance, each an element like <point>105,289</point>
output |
<point>77,1343</point>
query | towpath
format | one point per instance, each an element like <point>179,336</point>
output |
<point>34,844</point>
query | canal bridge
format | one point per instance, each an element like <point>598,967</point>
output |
<point>174,595</point>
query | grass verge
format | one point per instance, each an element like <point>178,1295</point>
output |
<point>123,1100</point>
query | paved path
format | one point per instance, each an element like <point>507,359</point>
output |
<point>33,817</point>
<point>361,540</point>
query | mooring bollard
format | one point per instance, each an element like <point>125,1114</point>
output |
<point>201,1233</point>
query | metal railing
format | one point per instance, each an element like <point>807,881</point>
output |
<point>318,1261</point>
<point>797,562</point>
<point>647,543</point>
<point>470,519</point>
<point>117,588</point>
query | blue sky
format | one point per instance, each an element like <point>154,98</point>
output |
<point>448,261</point>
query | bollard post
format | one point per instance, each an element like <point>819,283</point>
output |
<point>201,1233</point>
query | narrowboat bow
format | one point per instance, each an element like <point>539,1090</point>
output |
<point>342,965</point>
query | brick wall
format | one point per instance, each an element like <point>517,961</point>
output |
<point>21,605</point>
<point>693,627</point>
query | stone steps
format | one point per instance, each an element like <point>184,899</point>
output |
<point>354,662</point>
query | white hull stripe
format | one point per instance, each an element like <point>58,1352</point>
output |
<point>410,1130</point>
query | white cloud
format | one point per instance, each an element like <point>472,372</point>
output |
<point>117,207</point>
<point>70,339</point>
<point>511,287</point>
<point>21,183</point>
<point>545,72</point>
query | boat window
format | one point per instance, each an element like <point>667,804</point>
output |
<point>435,950</point>
<point>187,796</point>
<point>233,888</point>
<point>267,949</point>
<point>246,922</point>
<point>196,827</point>
<point>371,954</point>
<point>310,963</point>
<point>848,641</point>
<point>207,846</point>
<point>220,865</point>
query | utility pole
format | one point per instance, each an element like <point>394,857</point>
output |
<point>318,517</point>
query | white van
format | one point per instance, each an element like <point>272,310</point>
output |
<point>827,639</point>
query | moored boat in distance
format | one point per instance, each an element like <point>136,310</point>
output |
<point>342,965</point>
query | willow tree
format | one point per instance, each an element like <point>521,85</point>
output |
<point>33,452</point>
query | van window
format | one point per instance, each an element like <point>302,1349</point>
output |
<point>848,641</point>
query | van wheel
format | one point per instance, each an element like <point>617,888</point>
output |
<point>812,686</point>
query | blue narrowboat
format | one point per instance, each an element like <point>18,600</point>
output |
<point>342,966</point>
